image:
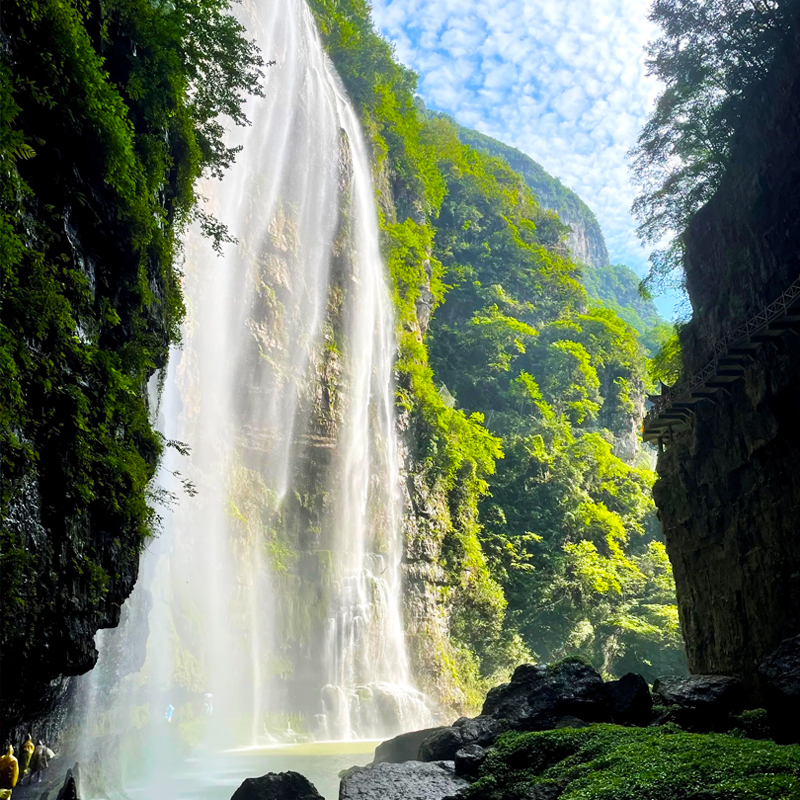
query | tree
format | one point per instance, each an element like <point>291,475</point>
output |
<point>711,56</point>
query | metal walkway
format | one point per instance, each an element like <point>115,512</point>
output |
<point>672,409</point>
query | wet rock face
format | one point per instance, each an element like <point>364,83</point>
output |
<point>277,786</point>
<point>729,487</point>
<point>443,744</point>
<point>727,498</point>
<point>52,633</point>
<point>404,747</point>
<point>413,779</point>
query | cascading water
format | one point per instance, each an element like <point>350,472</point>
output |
<point>274,593</point>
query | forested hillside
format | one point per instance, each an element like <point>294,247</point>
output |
<point>615,285</point>
<point>586,240</point>
<point>520,384</point>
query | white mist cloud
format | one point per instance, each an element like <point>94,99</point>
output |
<point>562,80</point>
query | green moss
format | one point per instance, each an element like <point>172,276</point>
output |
<point>752,724</point>
<point>606,762</point>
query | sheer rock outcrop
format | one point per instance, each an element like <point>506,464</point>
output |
<point>729,488</point>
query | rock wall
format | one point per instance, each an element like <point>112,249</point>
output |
<point>70,560</point>
<point>434,516</point>
<point>729,488</point>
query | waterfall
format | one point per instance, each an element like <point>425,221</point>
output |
<point>271,602</point>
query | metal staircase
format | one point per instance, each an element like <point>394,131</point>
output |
<point>672,409</point>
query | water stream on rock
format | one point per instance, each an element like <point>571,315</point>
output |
<point>270,604</point>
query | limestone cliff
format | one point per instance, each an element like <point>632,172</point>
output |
<point>729,487</point>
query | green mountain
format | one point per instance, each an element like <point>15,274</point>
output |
<point>585,240</point>
<point>615,285</point>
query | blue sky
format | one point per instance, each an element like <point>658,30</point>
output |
<point>562,80</point>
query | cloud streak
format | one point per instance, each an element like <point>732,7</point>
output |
<point>563,81</point>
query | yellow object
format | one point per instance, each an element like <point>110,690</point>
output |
<point>5,794</point>
<point>25,756</point>
<point>9,769</point>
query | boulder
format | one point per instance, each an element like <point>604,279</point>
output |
<point>482,730</point>
<point>404,747</point>
<point>704,701</point>
<point>631,702</point>
<point>718,692</point>
<point>277,786</point>
<point>538,696</point>
<point>443,744</point>
<point>468,760</point>
<point>780,677</point>
<point>69,791</point>
<point>412,779</point>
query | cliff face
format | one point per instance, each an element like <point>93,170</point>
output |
<point>78,457</point>
<point>729,488</point>
<point>106,125</point>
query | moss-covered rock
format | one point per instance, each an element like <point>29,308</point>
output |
<point>606,762</point>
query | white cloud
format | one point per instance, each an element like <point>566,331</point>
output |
<point>562,80</point>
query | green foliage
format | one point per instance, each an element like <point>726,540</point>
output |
<point>667,363</point>
<point>711,57</point>
<point>548,190</point>
<point>568,526</point>
<point>617,287</point>
<point>110,112</point>
<point>606,762</point>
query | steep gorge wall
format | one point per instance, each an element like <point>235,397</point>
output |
<point>729,487</point>
<point>96,181</point>
<point>77,456</point>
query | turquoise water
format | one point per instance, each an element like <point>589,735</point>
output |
<point>216,776</point>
